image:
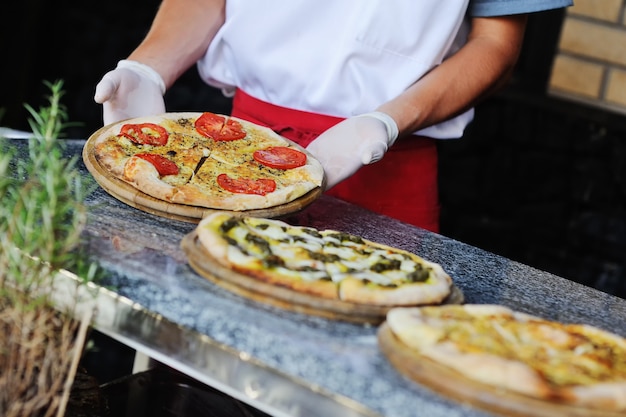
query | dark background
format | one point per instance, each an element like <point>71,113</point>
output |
<point>537,179</point>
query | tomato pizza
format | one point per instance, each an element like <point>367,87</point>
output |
<point>206,160</point>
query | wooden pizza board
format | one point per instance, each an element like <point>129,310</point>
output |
<point>452,384</point>
<point>130,195</point>
<point>205,265</point>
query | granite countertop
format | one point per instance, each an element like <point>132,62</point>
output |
<point>286,363</point>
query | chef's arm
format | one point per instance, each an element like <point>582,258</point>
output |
<point>179,36</point>
<point>481,66</point>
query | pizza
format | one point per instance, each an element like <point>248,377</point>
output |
<point>207,160</point>
<point>573,364</point>
<point>328,264</point>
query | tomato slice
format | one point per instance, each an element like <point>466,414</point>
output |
<point>260,186</point>
<point>145,133</point>
<point>209,124</point>
<point>217,127</point>
<point>232,130</point>
<point>280,157</point>
<point>163,165</point>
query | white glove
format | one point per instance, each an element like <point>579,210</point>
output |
<point>132,89</point>
<point>352,143</point>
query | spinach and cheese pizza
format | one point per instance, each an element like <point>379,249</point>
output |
<point>322,263</point>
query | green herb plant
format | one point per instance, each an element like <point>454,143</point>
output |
<point>42,216</point>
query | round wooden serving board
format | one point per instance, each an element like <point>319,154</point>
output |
<point>205,265</point>
<point>193,214</point>
<point>451,384</point>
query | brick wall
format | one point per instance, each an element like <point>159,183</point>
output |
<point>590,65</point>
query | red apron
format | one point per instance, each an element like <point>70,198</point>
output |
<point>402,185</point>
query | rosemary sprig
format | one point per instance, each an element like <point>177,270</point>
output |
<point>43,211</point>
<point>42,217</point>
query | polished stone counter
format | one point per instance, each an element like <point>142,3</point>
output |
<point>285,363</point>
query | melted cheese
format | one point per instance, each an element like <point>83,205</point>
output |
<point>303,252</point>
<point>565,355</point>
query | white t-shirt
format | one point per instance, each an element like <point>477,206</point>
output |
<point>338,58</point>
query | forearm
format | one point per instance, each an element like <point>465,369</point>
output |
<point>180,34</point>
<point>477,69</point>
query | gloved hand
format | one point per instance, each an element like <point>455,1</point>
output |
<point>352,143</point>
<point>132,89</point>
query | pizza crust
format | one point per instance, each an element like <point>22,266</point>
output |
<point>433,291</point>
<point>359,289</point>
<point>491,370</point>
<point>212,197</point>
<point>144,176</point>
<point>608,396</point>
<point>320,288</point>
<point>111,157</point>
<point>229,257</point>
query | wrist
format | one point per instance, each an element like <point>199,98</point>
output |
<point>390,124</point>
<point>145,71</point>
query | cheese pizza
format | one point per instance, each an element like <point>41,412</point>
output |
<point>572,364</point>
<point>207,160</point>
<point>328,264</point>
